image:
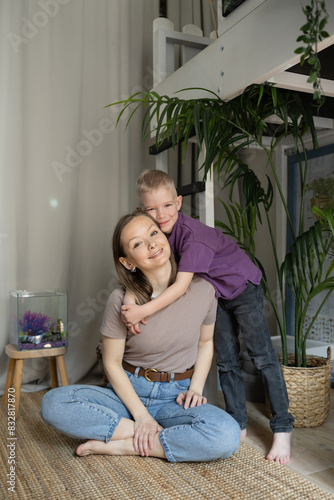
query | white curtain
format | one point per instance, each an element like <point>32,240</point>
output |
<point>66,173</point>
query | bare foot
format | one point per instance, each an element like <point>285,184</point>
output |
<point>280,450</point>
<point>118,447</point>
<point>94,447</point>
<point>243,433</point>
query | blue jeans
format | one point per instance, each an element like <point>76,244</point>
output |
<point>246,313</point>
<point>201,433</point>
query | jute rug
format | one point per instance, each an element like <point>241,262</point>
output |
<point>47,468</point>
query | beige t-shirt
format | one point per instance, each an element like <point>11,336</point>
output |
<point>169,341</point>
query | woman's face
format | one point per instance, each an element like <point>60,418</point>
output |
<point>144,244</point>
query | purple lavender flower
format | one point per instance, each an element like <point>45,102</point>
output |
<point>35,323</point>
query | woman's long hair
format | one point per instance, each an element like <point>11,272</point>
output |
<point>136,282</point>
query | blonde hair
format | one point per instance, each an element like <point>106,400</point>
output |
<point>154,179</point>
<point>135,282</point>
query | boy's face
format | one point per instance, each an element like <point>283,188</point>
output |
<point>163,205</point>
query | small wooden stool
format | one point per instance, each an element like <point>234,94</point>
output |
<point>15,368</point>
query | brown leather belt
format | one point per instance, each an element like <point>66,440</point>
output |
<point>152,375</point>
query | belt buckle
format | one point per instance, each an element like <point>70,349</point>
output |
<point>147,371</point>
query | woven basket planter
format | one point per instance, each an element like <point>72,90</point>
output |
<point>308,390</point>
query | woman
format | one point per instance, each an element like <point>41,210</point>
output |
<point>154,403</point>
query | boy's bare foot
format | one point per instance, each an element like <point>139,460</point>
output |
<point>243,433</point>
<point>280,450</point>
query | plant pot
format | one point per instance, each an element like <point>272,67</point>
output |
<point>308,390</point>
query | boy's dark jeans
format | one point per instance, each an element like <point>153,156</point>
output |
<point>247,313</point>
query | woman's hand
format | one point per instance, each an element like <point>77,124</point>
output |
<point>131,315</point>
<point>189,399</point>
<point>145,430</point>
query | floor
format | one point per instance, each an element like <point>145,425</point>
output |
<point>312,448</point>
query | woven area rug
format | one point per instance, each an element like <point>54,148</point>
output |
<point>47,468</point>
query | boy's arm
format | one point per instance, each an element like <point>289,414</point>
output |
<point>194,395</point>
<point>133,313</point>
<point>129,299</point>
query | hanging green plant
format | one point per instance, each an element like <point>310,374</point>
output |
<point>313,33</point>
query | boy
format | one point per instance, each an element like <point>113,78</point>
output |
<point>210,254</point>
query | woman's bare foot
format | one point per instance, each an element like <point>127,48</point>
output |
<point>280,450</point>
<point>243,433</point>
<point>94,447</point>
<point>118,447</point>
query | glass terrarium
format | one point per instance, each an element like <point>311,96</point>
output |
<point>39,319</point>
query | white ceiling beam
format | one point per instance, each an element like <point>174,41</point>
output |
<point>294,81</point>
<point>323,123</point>
<point>253,49</point>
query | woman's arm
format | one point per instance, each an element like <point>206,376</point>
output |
<point>194,395</point>
<point>132,314</point>
<point>145,426</point>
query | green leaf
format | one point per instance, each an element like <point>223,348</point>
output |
<point>322,24</point>
<point>330,269</point>
<point>148,117</point>
<point>300,50</point>
<point>305,27</point>
<point>260,94</point>
<point>229,215</point>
